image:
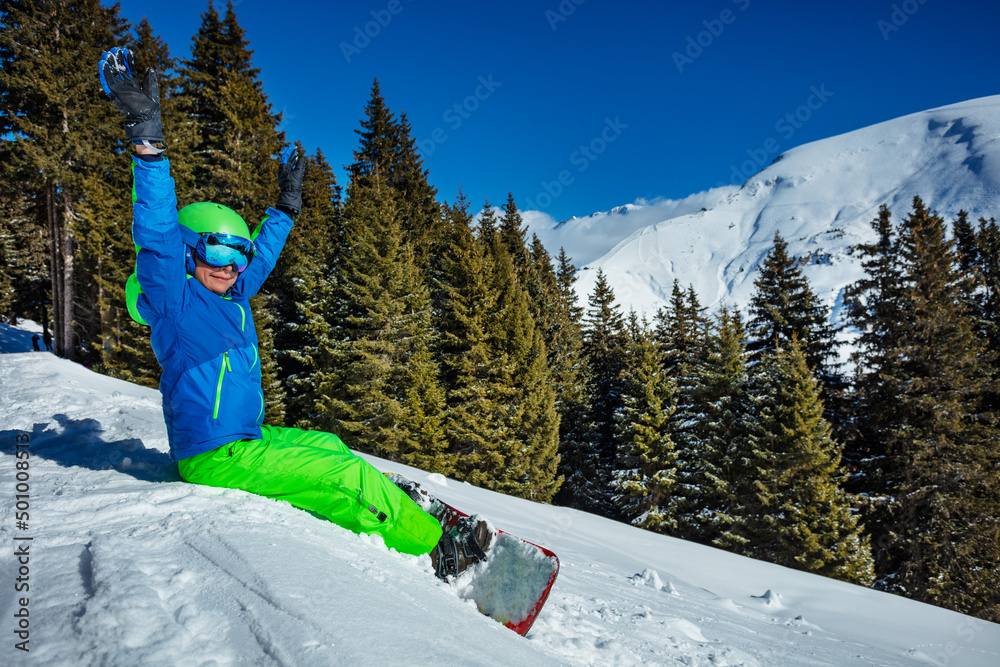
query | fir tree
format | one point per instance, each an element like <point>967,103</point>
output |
<point>421,215</point>
<point>681,330</point>
<point>570,374</point>
<point>376,382</point>
<point>301,283</point>
<point>528,462</point>
<point>938,539</point>
<point>487,231</point>
<point>264,307</point>
<point>468,374</point>
<point>58,128</point>
<point>783,307</point>
<point>24,250</point>
<point>800,517</point>
<point>713,482</point>
<point>218,83</point>
<point>875,306</point>
<point>513,236</point>
<point>646,470</point>
<point>377,145</point>
<point>604,349</point>
<point>979,261</point>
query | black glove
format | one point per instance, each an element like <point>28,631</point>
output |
<point>290,182</point>
<point>139,102</point>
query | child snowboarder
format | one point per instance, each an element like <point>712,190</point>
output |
<point>196,271</point>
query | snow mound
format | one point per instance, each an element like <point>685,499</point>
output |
<point>652,579</point>
<point>770,599</point>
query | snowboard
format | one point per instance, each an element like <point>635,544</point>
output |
<point>513,583</point>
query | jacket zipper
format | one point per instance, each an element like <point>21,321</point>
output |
<point>218,389</point>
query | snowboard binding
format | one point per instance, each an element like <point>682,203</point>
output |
<point>466,539</point>
<point>462,546</point>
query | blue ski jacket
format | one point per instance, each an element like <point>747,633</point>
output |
<point>205,343</point>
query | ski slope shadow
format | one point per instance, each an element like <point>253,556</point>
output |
<point>81,442</point>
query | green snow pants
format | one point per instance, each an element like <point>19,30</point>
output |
<point>315,471</point>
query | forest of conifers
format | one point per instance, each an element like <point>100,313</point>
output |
<point>424,332</point>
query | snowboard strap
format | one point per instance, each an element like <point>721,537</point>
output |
<point>447,558</point>
<point>470,545</point>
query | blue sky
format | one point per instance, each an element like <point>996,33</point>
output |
<point>577,106</point>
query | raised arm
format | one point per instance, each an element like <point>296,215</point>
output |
<point>270,235</point>
<point>160,250</point>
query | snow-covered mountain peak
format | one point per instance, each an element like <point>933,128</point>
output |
<point>820,197</point>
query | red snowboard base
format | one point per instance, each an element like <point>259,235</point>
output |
<point>514,582</point>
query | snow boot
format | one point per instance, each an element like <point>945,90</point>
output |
<point>417,494</point>
<point>465,540</point>
<point>464,545</point>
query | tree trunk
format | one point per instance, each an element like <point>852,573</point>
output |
<point>55,272</point>
<point>67,278</point>
<point>108,317</point>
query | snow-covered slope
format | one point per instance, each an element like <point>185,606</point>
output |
<point>820,196</point>
<point>130,566</point>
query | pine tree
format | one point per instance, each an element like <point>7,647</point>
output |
<point>783,307</point>
<point>800,517</point>
<point>8,257</point>
<point>229,128</point>
<point>375,380</point>
<point>713,484</point>
<point>513,236</point>
<point>468,373</point>
<point>875,306</point>
<point>24,251</point>
<point>377,145</point>
<point>674,331</point>
<point>645,477</point>
<point>487,231</point>
<point>570,375</point>
<point>58,128</point>
<point>421,216</point>
<point>264,306</point>
<point>681,330</point>
<point>301,284</point>
<point>604,350</point>
<point>528,462</point>
<point>979,262</point>
<point>938,542</point>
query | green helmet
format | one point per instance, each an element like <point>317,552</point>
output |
<point>195,219</point>
<point>208,216</point>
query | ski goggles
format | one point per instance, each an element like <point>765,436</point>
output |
<point>220,250</point>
